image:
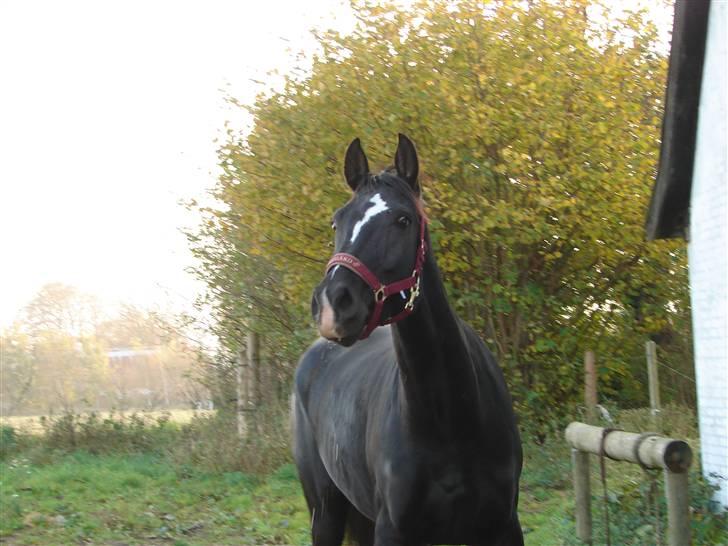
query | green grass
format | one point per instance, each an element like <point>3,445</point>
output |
<point>142,481</point>
<point>141,499</point>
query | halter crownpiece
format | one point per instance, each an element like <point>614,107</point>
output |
<point>382,292</point>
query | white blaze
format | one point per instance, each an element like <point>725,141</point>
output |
<point>378,206</point>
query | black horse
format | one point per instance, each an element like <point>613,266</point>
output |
<point>407,437</point>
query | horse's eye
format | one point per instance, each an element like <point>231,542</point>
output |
<point>404,221</point>
<point>333,226</point>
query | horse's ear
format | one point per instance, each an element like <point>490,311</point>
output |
<point>356,166</point>
<point>405,161</point>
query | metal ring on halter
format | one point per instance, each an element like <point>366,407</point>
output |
<point>379,295</point>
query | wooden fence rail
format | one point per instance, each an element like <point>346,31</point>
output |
<point>650,450</point>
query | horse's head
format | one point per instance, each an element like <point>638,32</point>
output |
<point>373,277</point>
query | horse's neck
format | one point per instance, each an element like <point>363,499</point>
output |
<point>438,376</point>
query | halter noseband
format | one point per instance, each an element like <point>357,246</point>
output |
<point>382,292</point>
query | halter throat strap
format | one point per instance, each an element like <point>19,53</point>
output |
<point>382,292</point>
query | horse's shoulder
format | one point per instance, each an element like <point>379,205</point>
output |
<point>310,364</point>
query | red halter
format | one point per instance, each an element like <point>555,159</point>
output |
<point>382,292</point>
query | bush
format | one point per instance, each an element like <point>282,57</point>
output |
<point>208,442</point>
<point>673,420</point>
<point>546,464</point>
<point>708,525</point>
<point>14,441</point>
<point>116,433</point>
<point>8,441</point>
<point>212,442</point>
<point>632,513</point>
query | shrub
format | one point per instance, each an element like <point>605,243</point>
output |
<point>546,464</point>
<point>212,442</point>
<point>709,525</point>
<point>632,513</point>
<point>674,420</point>
<point>209,442</point>
<point>115,433</point>
<point>8,441</point>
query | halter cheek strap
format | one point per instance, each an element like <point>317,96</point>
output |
<point>382,292</point>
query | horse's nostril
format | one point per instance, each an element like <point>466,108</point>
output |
<point>342,299</point>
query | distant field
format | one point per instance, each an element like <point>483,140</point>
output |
<point>31,423</point>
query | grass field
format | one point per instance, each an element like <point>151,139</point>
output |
<point>141,499</point>
<point>152,496</point>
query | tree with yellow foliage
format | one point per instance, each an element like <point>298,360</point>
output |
<point>538,126</point>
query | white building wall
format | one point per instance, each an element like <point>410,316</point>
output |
<point>708,251</point>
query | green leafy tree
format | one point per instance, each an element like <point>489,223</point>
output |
<point>538,126</point>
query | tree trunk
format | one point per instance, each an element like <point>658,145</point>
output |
<point>248,385</point>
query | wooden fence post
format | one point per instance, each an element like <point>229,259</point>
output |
<point>649,450</point>
<point>590,386</point>
<point>678,508</point>
<point>654,383</point>
<point>582,491</point>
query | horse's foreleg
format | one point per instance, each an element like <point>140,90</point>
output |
<point>328,517</point>
<point>327,505</point>
<point>386,535</point>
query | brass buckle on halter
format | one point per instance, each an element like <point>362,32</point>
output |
<point>414,292</point>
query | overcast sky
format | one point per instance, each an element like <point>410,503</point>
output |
<point>108,115</point>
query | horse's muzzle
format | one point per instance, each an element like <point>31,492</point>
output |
<point>339,308</point>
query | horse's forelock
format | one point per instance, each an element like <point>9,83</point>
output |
<point>392,179</point>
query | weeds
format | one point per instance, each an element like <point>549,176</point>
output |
<point>208,441</point>
<point>8,441</point>
<point>211,442</point>
<point>673,420</point>
<point>115,433</point>
<point>634,505</point>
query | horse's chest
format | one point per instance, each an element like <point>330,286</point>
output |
<point>443,501</point>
